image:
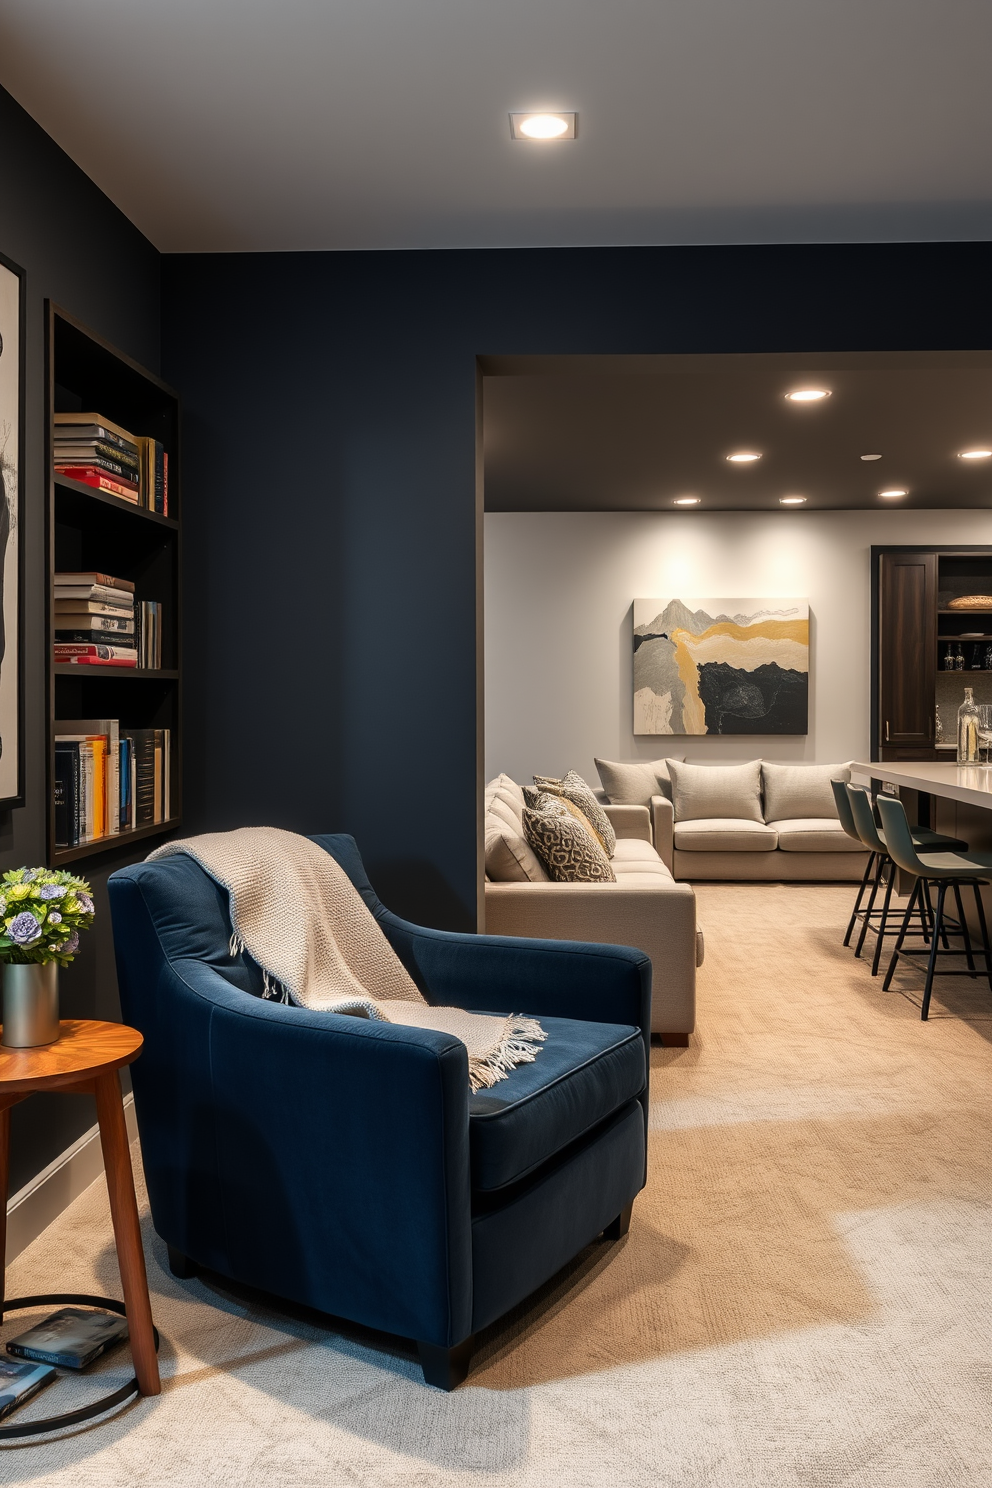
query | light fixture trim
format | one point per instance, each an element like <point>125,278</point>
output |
<point>792,501</point>
<point>808,395</point>
<point>543,126</point>
<point>744,457</point>
<point>895,492</point>
<point>871,457</point>
<point>975,454</point>
<point>686,501</point>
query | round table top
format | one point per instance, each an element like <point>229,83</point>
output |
<point>84,1049</point>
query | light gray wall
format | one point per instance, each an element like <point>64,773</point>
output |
<point>559,588</point>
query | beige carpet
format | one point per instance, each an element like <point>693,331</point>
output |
<point>804,1298</point>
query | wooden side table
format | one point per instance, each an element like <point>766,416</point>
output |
<point>86,1058</point>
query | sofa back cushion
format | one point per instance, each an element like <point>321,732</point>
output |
<point>509,856</point>
<point>634,782</point>
<point>793,792</point>
<point>703,791</point>
<point>564,841</point>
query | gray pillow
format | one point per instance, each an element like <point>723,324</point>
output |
<point>701,792</point>
<point>573,788</point>
<point>634,782</point>
<point>510,857</point>
<point>794,791</point>
<point>567,849</point>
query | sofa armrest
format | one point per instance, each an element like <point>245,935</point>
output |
<point>663,822</point>
<point>630,821</point>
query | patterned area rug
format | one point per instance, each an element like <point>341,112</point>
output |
<point>803,1300</point>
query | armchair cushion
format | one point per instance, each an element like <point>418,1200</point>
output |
<point>583,1074</point>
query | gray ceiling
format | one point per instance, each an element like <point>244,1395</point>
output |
<point>633,433</point>
<point>321,124</point>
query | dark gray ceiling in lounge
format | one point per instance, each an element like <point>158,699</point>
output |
<point>634,433</point>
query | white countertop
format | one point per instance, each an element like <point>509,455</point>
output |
<point>969,783</point>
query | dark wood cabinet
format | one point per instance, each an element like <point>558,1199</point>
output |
<point>907,653</point>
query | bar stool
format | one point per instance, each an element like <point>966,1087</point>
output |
<point>846,818</point>
<point>859,802</point>
<point>949,870</point>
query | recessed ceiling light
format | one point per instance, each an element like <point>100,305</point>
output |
<point>975,454</point>
<point>792,501</point>
<point>687,501</point>
<point>808,395</point>
<point>891,495</point>
<point>539,126</point>
<point>871,457</point>
<point>743,457</point>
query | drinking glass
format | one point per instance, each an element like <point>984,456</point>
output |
<point>984,733</point>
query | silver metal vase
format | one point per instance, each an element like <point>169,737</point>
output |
<point>30,1004</point>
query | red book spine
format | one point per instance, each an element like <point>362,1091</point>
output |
<point>90,476</point>
<point>117,661</point>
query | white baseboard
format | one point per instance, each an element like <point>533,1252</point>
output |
<point>34,1207</point>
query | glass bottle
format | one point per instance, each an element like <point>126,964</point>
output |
<point>959,659</point>
<point>988,658</point>
<point>968,729</point>
<point>976,658</point>
<point>949,658</point>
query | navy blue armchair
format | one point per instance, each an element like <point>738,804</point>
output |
<point>345,1164</point>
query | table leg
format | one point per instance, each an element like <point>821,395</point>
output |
<point>4,1184</point>
<point>124,1211</point>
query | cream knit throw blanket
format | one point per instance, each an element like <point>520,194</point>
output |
<point>299,916</point>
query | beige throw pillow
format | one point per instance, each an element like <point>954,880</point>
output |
<point>567,848</point>
<point>795,791</point>
<point>633,783</point>
<point>573,788</point>
<point>510,857</point>
<point>701,792</point>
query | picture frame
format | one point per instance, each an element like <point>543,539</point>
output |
<point>12,360</point>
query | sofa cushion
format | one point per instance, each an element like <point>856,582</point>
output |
<point>509,856</point>
<point>793,791</point>
<point>634,782</point>
<point>571,787</point>
<point>584,1072</point>
<point>725,834</point>
<point>634,850</point>
<point>498,810</point>
<point>701,792</point>
<point>567,849</point>
<point>509,792</point>
<point>814,834</point>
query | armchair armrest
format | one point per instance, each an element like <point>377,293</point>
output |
<point>630,821</point>
<point>663,821</point>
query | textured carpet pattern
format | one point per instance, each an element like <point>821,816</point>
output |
<point>803,1300</point>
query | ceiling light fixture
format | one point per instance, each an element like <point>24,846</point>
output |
<point>743,457</point>
<point>792,501</point>
<point>539,126</point>
<point>808,395</point>
<point>687,501</point>
<point>975,454</point>
<point>871,457</point>
<point>891,495</point>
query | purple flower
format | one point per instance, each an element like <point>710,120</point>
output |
<point>54,918</point>
<point>24,928</point>
<point>85,901</point>
<point>71,946</point>
<point>51,891</point>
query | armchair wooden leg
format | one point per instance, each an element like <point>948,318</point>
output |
<point>445,1368</point>
<point>180,1265</point>
<point>671,1040</point>
<point>619,1227</point>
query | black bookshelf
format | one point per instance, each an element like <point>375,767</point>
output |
<point>93,530</point>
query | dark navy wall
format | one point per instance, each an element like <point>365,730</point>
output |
<point>329,478</point>
<point>79,250</point>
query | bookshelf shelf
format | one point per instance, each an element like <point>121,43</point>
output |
<point>91,531</point>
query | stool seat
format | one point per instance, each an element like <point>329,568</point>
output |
<point>934,841</point>
<point>957,865</point>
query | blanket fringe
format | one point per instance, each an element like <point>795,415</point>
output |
<point>272,991</point>
<point>517,1046</point>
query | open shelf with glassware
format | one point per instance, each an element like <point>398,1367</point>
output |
<point>94,531</point>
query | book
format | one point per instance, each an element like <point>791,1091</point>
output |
<point>150,634</point>
<point>91,459</point>
<point>96,628</point>
<point>92,607</point>
<point>96,592</point>
<point>101,580</point>
<point>66,794</point>
<point>88,475</point>
<point>113,661</point>
<point>70,1338</point>
<point>80,730</point>
<point>72,650</point>
<point>92,451</point>
<point>93,426</point>
<point>19,1382</point>
<point>154,467</point>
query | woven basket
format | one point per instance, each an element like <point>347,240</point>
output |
<point>971,602</point>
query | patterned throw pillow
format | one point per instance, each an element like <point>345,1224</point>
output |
<point>573,788</point>
<point>565,846</point>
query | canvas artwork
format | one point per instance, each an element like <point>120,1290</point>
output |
<point>721,666</point>
<point>10,458</point>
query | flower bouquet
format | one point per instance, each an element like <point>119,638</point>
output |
<point>42,911</point>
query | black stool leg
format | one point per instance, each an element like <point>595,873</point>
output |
<point>931,964</point>
<point>985,931</point>
<point>865,880</point>
<point>903,932</point>
<point>964,926</point>
<point>884,920</point>
<point>871,904</point>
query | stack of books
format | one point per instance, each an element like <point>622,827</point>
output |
<point>91,449</point>
<point>94,620</point>
<point>109,779</point>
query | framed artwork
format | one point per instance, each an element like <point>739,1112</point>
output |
<point>11,459</point>
<point>721,666</point>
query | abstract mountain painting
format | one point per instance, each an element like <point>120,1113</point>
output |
<point>721,666</point>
